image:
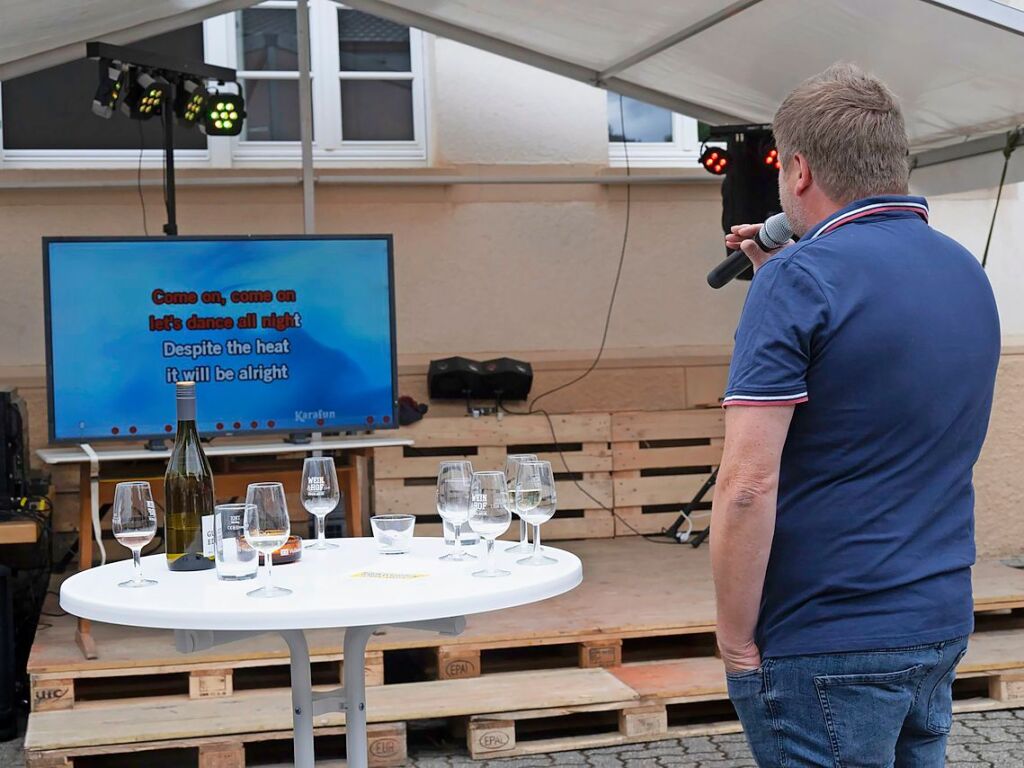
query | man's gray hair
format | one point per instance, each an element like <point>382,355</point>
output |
<point>849,127</point>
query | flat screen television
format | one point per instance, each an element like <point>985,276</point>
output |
<point>280,334</point>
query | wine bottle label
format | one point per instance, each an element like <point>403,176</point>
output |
<point>151,508</point>
<point>208,536</point>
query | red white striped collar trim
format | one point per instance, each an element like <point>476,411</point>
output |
<point>867,210</point>
<point>739,399</point>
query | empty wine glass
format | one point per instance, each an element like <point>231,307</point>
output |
<point>134,524</point>
<point>266,529</point>
<point>454,485</point>
<point>320,494</point>
<point>512,462</point>
<point>536,502</point>
<point>490,515</point>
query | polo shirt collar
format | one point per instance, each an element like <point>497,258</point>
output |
<point>871,206</point>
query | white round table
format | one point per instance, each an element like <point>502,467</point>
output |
<point>352,587</point>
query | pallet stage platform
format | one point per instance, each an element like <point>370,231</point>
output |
<point>627,656</point>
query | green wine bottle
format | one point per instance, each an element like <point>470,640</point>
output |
<point>188,492</point>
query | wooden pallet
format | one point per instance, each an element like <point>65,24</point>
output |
<point>155,722</point>
<point>386,745</point>
<point>689,697</point>
<point>405,478</point>
<point>628,609</point>
<point>660,461</point>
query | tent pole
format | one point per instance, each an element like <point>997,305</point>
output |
<point>306,119</point>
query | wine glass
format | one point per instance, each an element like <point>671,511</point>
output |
<point>490,515</point>
<point>536,502</point>
<point>266,529</point>
<point>454,482</point>
<point>320,494</point>
<point>512,462</point>
<point>134,524</point>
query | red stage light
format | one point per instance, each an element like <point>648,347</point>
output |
<point>715,160</point>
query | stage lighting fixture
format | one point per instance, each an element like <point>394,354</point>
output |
<point>112,77</point>
<point>715,160</point>
<point>191,99</point>
<point>224,114</point>
<point>145,97</point>
<point>771,159</point>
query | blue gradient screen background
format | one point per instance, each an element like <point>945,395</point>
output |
<point>110,373</point>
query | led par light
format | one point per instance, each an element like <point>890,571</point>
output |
<point>192,97</point>
<point>146,97</point>
<point>112,79</point>
<point>715,160</point>
<point>224,113</point>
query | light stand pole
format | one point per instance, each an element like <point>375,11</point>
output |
<point>171,227</point>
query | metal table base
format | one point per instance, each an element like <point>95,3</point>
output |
<point>350,698</point>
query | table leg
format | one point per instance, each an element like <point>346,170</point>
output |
<point>355,695</point>
<point>83,633</point>
<point>302,697</point>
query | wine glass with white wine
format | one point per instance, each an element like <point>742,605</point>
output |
<point>512,462</point>
<point>320,494</point>
<point>134,524</point>
<point>454,485</point>
<point>267,529</point>
<point>536,502</point>
<point>490,515</point>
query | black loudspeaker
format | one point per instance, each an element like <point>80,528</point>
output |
<point>507,379</point>
<point>13,448</point>
<point>8,716</point>
<point>454,378</point>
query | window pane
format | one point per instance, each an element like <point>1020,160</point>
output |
<point>369,44</point>
<point>376,110</point>
<point>644,122</point>
<point>52,109</point>
<point>268,40</point>
<point>273,110</point>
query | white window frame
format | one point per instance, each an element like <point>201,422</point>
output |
<point>329,150</point>
<point>682,152</point>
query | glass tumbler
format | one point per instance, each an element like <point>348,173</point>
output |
<point>236,560</point>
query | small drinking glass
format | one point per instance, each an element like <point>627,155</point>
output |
<point>267,528</point>
<point>320,494</point>
<point>490,515</point>
<point>454,484</point>
<point>134,524</point>
<point>393,533</point>
<point>536,502</point>
<point>236,560</point>
<point>512,462</point>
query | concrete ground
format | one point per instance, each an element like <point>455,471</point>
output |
<point>984,740</point>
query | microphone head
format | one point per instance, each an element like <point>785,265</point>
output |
<point>775,232</point>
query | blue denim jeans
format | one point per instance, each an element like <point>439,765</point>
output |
<point>874,709</point>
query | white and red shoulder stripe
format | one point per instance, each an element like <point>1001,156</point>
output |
<point>741,399</point>
<point>920,209</point>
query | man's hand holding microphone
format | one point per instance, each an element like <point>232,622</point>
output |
<point>753,244</point>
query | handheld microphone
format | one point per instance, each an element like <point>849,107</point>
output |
<point>774,234</point>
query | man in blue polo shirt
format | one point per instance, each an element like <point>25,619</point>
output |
<point>858,399</point>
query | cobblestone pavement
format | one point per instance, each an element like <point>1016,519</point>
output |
<point>985,740</point>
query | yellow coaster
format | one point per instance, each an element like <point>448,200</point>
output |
<point>386,575</point>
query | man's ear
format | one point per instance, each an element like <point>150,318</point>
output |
<point>803,174</point>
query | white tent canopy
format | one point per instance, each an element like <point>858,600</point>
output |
<point>955,64</point>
